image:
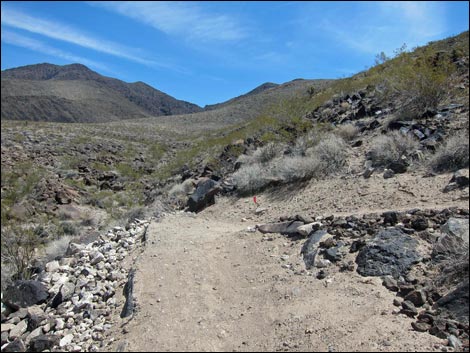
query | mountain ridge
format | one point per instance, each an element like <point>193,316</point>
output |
<point>98,98</point>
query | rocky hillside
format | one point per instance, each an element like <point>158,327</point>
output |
<point>74,93</point>
<point>355,190</point>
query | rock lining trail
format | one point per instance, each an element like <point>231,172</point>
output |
<point>210,286</point>
<point>205,282</point>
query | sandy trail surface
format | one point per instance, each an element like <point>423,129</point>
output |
<point>205,283</point>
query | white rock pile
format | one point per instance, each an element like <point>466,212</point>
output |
<point>82,302</point>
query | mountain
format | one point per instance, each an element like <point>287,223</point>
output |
<point>74,93</point>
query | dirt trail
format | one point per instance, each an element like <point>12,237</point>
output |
<point>204,283</point>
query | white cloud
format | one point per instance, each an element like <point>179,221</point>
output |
<point>179,18</point>
<point>59,31</point>
<point>384,26</point>
<point>38,46</point>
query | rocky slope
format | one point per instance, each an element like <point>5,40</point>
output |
<point>74,93</point>
<point>372,257</point>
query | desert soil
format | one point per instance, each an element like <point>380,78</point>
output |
<point>206,283</point>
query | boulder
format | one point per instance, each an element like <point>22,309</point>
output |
<point>311,246</point>
<point>42,342</point>
<point>457,227</point>
<point>461,178</point>
<point>203,196</point>
<point>289,228</point>
<point>391,252</point>
<point>456,303</point>
<point>22,294</point>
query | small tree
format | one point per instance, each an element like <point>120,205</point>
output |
<point>18,248</point>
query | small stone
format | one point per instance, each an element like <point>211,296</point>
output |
<point>454,342</point>
<point>388,173</point>
<point>52,266</point>
<point>417,297</point>
<point>397,302</point>
<point>66,340</point>
<point>19,329</point>
<point>390,283</point>
<point>15,346</point>
<point>420,326</point>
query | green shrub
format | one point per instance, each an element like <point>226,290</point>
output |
<point>18,249</point>
<point>419,83</point>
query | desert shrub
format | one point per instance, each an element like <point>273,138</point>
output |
<point>67,228</point>
<point>347,132</point>
<point>306,141</point>
<point>296,168</point>
<point>250,178</point>
<point>452,154</point>
<point>267,153</point>
<point>179,192</point>
<point>184,188</point>
<point>263,154</point>
<point>331,153</point>
<point>391,147</point>
<point>56,247</point>
<point>18,249</point>
<point>419,84</point>
<point>136,212</point>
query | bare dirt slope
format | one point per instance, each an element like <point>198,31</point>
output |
<point>204,283</point>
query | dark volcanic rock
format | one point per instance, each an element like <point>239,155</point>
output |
<point>390,253</point>
<point>128,308</point>
<point>43,342</point>
<point>420,223</point>
<point>15,346</point>
<point>22,294</point>
<point>203,196</point>
<point>390,217</point>
<point>417,297</point>
<point>457,302</point>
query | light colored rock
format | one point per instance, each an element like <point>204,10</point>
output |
<point>52,266</point>
<point>59,324</point>
<point>66,340</point>
<point>35,333</point>
<point>321,263</point>
<point>306,229</point>
<point>458,227</point>
<point>19,329</point>
<point>6,327</point>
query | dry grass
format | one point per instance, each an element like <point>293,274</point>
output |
<point>451,155</point>
<point>328,156</point>
<point>347,132</point>
<point>390,148</point>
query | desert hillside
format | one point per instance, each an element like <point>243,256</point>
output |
<point>74,93</point>
<point>314,215</point>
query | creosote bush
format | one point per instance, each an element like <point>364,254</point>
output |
<point>18,249</point>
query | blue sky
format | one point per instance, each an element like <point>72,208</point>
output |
<point>208,52</point>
